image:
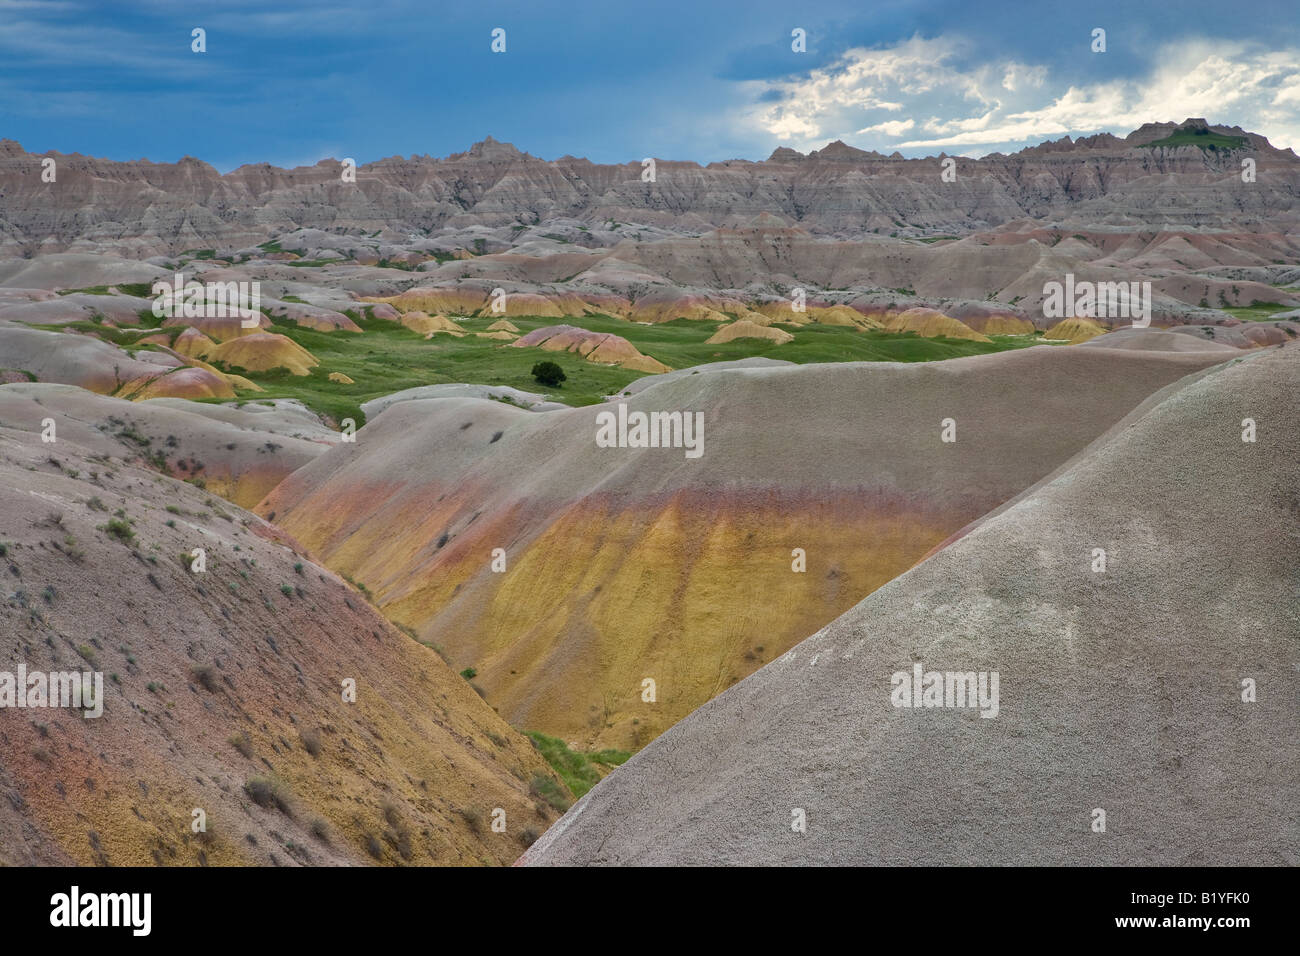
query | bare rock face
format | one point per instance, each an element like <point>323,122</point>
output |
<point>165,208</point>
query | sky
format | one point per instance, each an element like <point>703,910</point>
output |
<point>618,80</point>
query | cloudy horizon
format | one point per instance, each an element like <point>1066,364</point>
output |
<point>300,85</point>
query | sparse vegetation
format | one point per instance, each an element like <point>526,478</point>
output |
<point>577,770</point>
<point>205,675</point>
<point>269,792</point>
<point>547,789</point>
<point>1200,137</point>
<point>311,741</point>
<point>119,528</point>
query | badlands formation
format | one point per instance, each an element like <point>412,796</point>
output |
<point>623,564</point>
<point>905,447</point>
<point>222,689</point>
<point>1119,691</point>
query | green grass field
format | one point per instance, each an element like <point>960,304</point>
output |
<point>387,357</point>
<point>1256,311</point>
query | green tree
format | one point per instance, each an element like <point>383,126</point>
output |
<point>549,374</point>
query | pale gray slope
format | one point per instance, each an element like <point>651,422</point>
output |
<point>1153,340</point>
<point>1119,691</point>
<point>532,401</point>
<point>641,384</point>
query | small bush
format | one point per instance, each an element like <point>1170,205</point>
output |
<point>311,741</point>
<point>474,819</point>
<point>392,815</point>
<point>119,528</point>
<point>469,673</point>
<point>267,792</point>
<point>405,849</point>
<point>240,741</point>
<point>286,590</point>
<point>320,829</point>
<point>373,847</point>
<point>70,548</point>
<point>549,374</point>
<point>205,675</point>
<point>547,789</point>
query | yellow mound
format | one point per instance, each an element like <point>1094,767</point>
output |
<point>220,328</point>
<point>837,315</point>
<point>427,324</point>
<point>1075,330</point>
<point>644,363</point>
<point>263,351</point>
<point>184,383</point>
<point>532,303</point>
<point>745,329</point>
<point>193,344</point>
<point>502,335</point>
<point>781,311</point>
<point>340,378</point>
<point>456,301</point>
<point>242,384</point>
<point>678,309</point>
<point>843,314</point>
<point>593,346</point>
<point>503,325</point>
<point>746,314</point>
<point>1006,325</point>
<point>931,324</point>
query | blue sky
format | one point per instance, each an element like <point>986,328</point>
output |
<point>614,81</point>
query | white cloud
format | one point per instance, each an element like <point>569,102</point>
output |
<point>1005,103</point>
<point>1018,77</point>
<point>890,127</point>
